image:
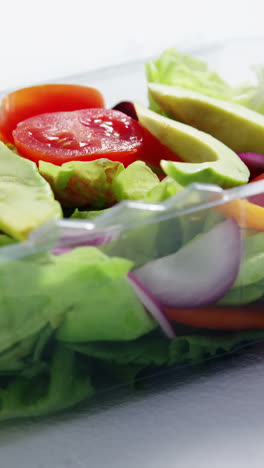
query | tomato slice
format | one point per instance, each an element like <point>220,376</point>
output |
<point>215,317</point>
<point>153,150</point>
<point>260,177</point>
<point>28,102</point>
<point>85,135</point>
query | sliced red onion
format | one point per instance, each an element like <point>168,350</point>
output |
<point>151,304</point>
<point>67,243</point>
<point>198,274</point>
<point>255,160</point>
<point>61,250</point>
<point>127,108</point>
<point>257,199</point>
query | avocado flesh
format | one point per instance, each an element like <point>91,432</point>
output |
<point>26,199</point>
<point>238,127</point>
<point>208,159</point>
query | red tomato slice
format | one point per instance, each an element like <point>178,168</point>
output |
<point>153,150</point>
<point>80,135</point>
<point>28,102</point>
<point>244,317</point>
<point>260,177</point>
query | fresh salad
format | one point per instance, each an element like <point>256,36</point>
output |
<point>169,266</point>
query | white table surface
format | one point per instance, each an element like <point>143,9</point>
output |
<point>212,418</point>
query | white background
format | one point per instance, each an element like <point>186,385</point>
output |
<point>48,39</point>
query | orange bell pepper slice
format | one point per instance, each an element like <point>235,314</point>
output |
<point>247,215</point>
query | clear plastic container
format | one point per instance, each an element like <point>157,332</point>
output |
<point>90,304</point>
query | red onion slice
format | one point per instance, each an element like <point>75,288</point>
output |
<point>127,108</point>
<point>253,159</point>
<point>67,243</point>
<point>152,305</point>
<point>257,199</point>
<point>199,273</point>
<point>254,162</point>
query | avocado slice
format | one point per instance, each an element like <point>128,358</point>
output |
<point>26,199</point>
<point>240,128</point>
<point>209,160</point>
<point>134,182</point>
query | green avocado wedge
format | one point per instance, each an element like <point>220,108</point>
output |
<point>26,199</point>
<point>238,127</point>
<point>208,159</point>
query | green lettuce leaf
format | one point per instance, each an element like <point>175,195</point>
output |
<point>138,244</point>
<point>153,352</point>
<point>144,243</point>
<point>176,69</point>
<point>165,189</point>
<point>23,301</point>
<point>243,294</point>
<point>65,291</point>
<point>252,265</point>
<point>134,182</point>
<point>62,378</point>
<point>250,95</point>
<point>97,301</point>
<point>61,384</point>
<point>82,183</point>
<point>249,284</point>
<point>123,362</point>
<point>148,350</point>
<point>193,349</point>
<point>82,214</point>
<point>6,240</point>
<point>26,353</point>
<point>114,373</point>
<point>156,351</point>
<point>14,359</point>
<point>107,310</point>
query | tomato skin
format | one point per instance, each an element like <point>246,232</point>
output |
<point>153,151</point>
<point>244,317</point>
<point>260,177</point>
<point>82,135</point>
<point>28,102</point>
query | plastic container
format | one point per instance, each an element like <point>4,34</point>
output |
<point>72,326</point>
